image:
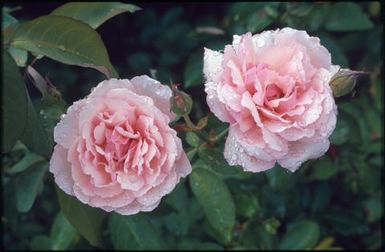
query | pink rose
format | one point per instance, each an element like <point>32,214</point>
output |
<point>115,149</point>
<point>273,89</point>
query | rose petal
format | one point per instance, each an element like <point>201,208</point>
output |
<point>160,94</point>
<point>68,127</point>
<point>61,169</point>
<point>212,61</point>
<point>300,152</point>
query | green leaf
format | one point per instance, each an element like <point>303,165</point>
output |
<point>62,233</point>
<point>317,16</point>
<point>271,225</point>
<point>215,198</point>
<point>34,136</point>
<point>66,40</point>
<point>214,159</point>
<point>320,198</point>
<point>50,109</point>
<point>356,112</point>
<point>8,20</point>
<point>27,185</point>
<point>302,235</point>
<point>10,213</point>
<point>213,233</point>
<point>340,134</point>
<point>347,16</point>
<point>198,245</point>
<point>256,237</point>
<point>87,220</point>
<point>376,122</point>
<point>272,202</point>
<point>299,9</point>
<point>191,153</point>
<point>14,104</point>
<point>8,25</point>
<point>28,160</point>
<point>177,223</point>
<point>252,17</point>
<point>278,177</point>
<point>246,203</point>
<point>178,198</point>
<point>40,243</point>
<point>323,169</point>
<point>20,56</point>
<point>94,13</point>
<point>193,70</point>
<point>192,139</point>
<point>346,222</point>
<point>133,232</point>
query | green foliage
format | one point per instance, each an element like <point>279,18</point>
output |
<point>20,56</point>
<point>301,235</point>
<point>62,233</point>
<point>252,17</point>
<point>34,136</point>
<point>133,232</point>
<point>192,139</point>
<point>212,193</point>
<point>87,220</point>
<point>347,17</point>
<point>27,185</point>
<point>193,71</point>
<point>66,40</point>
<point>334,202</point>
<point>14,104</point>
<point>93,14</point>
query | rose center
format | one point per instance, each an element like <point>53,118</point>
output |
<point>273,92</point>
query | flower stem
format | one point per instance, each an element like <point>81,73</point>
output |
<point>194,127</point>
<point>190,123</point>
<point>221,135</point>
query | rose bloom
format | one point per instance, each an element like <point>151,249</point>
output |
<point>273,89</point>
<point>115,149</point>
